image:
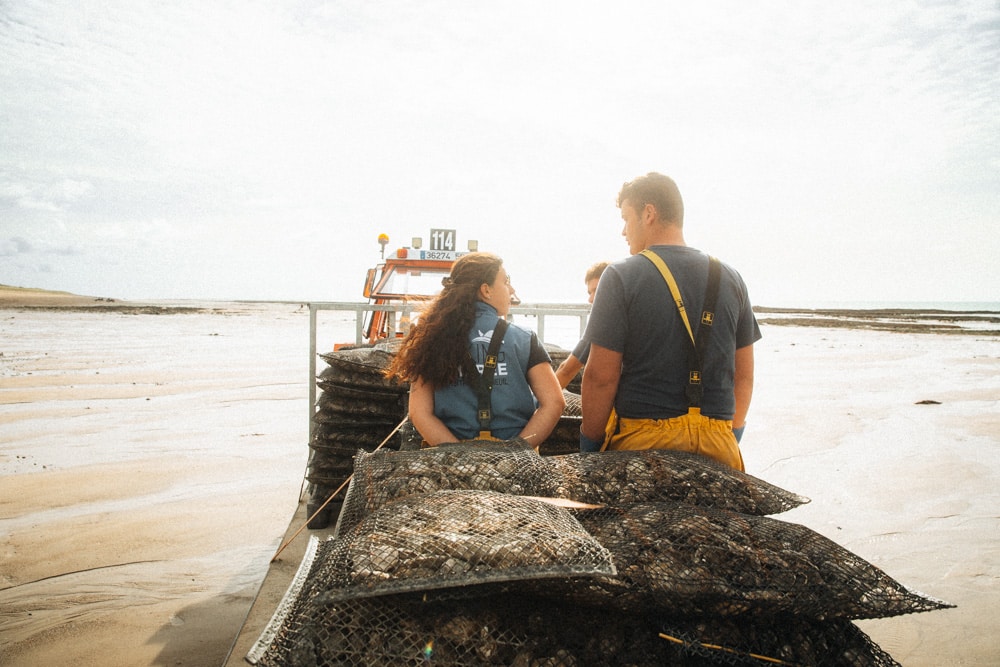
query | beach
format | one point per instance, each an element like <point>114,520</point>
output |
<point>150,463</point>
<point>152,456</point>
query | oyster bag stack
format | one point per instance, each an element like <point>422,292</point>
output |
<point>615,558</point>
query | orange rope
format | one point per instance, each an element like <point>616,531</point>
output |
<point>332,495</point>
<point>716,647</point>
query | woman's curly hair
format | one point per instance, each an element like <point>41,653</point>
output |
<point>437,345</point>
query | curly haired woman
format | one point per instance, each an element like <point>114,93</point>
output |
<point>445,356</point>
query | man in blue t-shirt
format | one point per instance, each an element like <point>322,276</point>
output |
<point>635,385</point>
<point>572,364</point>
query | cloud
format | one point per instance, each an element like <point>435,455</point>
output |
<point>269,143</point>
<point>18,246</point>
<point>13,246</point>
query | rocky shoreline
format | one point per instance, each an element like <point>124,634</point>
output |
<point>899,320</point>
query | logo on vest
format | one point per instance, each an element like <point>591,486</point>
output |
<point>481,345</point>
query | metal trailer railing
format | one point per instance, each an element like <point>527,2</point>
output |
<point>539,310</point>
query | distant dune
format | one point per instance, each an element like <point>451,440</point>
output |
<point>39,299</point>
<point>30,296</point>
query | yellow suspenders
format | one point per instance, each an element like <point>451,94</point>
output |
<point>707,319</point>
<point>672,284</point>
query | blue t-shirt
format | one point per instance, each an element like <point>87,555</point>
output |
<point>511,400</point>
<point>635,314</point>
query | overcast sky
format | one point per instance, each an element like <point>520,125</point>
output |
<point>830,151</point>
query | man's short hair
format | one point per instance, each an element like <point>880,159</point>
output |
<point>658,190</point>
<point>595,271</point>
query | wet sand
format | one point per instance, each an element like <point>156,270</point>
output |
<point>896,439</point>
<point>150,462</point>
<point>149,466</point>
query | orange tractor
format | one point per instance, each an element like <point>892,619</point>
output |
<point>408,277</point>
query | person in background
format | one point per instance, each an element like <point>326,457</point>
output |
<point>570,366</point>
<point>637,388</point>
<point>445,356</point>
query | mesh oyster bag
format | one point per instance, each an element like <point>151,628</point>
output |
<point>783,639</point>
<point>404,630</point>
<point>342,373</point>
<point>574,406</point>
<point>565,436</point>
<point>447,539</point>
<point>703,561</point>
<point>361,367</point>
<point>357,409</point>
<point>625,477</point>
<point>351,401</point>
<point>506,466</point>
<point>513,629</point>
<point>347,420</point>
<point>564,439</point>
<point>347,437</point>
<point>333,447</point>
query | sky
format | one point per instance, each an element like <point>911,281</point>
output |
<point>217,149</point>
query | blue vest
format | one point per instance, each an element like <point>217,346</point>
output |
<point>512,402</point>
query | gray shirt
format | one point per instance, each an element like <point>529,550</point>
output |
<point>635,314</point>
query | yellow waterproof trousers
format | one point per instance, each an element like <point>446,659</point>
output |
<point>692,432</point>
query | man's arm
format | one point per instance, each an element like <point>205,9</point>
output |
<point>743,385</point>
<point>600,384</point>
<point>567,370</point>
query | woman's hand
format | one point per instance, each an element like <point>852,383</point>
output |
<point>545,386</point>
<point>431,429</point>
